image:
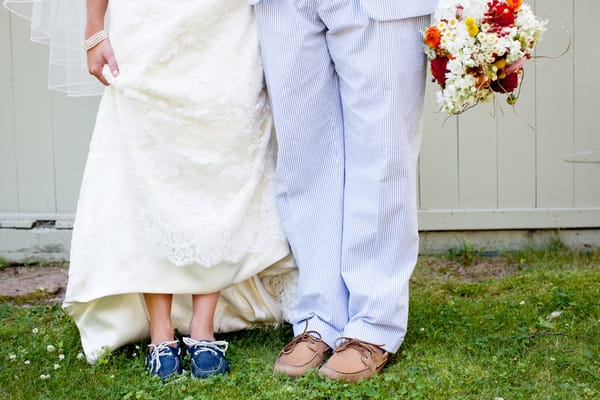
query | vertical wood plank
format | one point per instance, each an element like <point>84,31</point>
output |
<point>516,146</point>
<point>438,163</point>
<point>478,158</point>
<point>35,158</point>
<point>555,98</point>
<point>8,162</point>
<point>73,120</point>
<point>587,106</point>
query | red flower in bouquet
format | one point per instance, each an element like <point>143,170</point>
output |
<point>500,14</point>
<point>507,84</point>
<point>439,68</point>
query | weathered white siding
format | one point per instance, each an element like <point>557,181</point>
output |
<point>477,171</point>
<point>44,135</point>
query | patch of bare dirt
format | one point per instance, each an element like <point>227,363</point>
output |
<point>33,284</point>
<point>46,284</point>
<point>479,268</point>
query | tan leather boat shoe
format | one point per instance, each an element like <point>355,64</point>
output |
<point>354,359</point>
<point>304,352</point>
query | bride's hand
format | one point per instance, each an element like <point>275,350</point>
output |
<point>98,57</point>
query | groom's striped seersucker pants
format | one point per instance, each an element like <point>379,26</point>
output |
<point>346,92</point>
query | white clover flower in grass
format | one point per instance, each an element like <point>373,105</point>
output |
<point>61,356</point>
<point>12,357</point>
<point>26,362</point>
<point>56,366</point>
<point>80,356</point>
<point>554,314</point>
<point>50,348</point>
<point>35,330</point>
<point>522,302</point>
<point>44,376</point>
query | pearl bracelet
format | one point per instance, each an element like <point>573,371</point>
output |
<point>94,40</point>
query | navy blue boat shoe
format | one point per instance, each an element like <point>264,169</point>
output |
<point>164,359</point>
<point>207,358</point>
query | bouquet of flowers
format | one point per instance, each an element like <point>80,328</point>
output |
<point>477,48</point>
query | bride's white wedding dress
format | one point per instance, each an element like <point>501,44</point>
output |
<point>177,195</point>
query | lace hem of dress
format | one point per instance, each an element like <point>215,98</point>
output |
<point>230,246</point>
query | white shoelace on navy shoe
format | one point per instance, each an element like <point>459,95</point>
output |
<point>161,349</point>
<point>220,346</point>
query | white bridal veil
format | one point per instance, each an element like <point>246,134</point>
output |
<point>60,24</point>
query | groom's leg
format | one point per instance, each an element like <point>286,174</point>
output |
<point>381,70</point>
<point>304,91</point>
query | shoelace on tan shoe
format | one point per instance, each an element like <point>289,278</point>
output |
<point>310,336</point>
<point>358,345</point>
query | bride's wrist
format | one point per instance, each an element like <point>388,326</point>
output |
<point>94,40</point>
<point>92,29</point>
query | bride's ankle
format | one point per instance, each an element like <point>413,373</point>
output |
<point>202,333</point>
<point>160,334</point>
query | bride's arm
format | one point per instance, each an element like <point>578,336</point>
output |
<point>101,54</point>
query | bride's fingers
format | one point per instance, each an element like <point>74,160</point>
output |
<point>96,71</point>
<point>100,56</point>
<point>95,60</point>
<point>112,64</point>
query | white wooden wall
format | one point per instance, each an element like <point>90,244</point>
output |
<point>476,171</point>
<point>44,135</point>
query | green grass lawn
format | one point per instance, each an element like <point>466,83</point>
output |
<point>515,326</point>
